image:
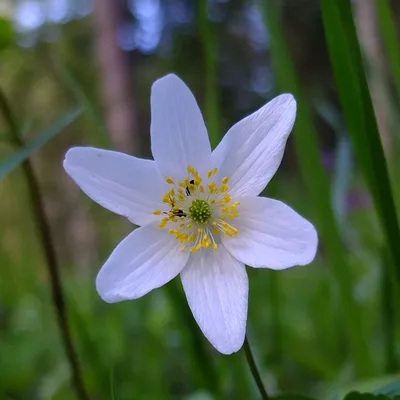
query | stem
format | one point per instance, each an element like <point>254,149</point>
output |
<point>48,249</point>
<point>254,370</point>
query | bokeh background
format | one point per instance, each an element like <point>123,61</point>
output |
<point>79,72</point>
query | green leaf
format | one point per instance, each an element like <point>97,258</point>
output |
<point>291,397</point>
<point>22,154</point>
<point>366,396</point>
<point>6,33</point>
<point>390,389</point>
<point>317,182</point>
<point>359,114</point>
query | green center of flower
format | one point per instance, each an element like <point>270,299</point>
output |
<point>200,211</point>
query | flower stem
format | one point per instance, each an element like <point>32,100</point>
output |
<point>254,369</point>
<point>48,249</point>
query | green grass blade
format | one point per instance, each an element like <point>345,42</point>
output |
<point>312,171</point>
<point>390,39</point>
<point>21,155</point>
<point>359,114</point>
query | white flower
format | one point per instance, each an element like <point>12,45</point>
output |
<point>198,210</point>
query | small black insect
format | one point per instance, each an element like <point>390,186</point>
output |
<point>187,187</point>
<point>179,213</point>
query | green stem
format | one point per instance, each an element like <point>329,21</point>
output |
<point>43,226</point>
<point>254,369</point>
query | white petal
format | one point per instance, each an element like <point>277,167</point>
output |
<point>146,259</point>
<point>271,235</point>
<point>216,288</point>
<point>178,134</point>
<point>121,183</point>
<point>252,150</point>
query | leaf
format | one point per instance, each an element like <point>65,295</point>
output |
<point>367,396</point>
<point>390,389</point>
<point>6,34</point>
<point>22,154</point>
<point>359,114</point>
<point>386,384</point>
<point>291,397</point>
<point>307,148</point>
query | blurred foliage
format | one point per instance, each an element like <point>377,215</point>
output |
<point>6,34</point>
<point>148,348</point>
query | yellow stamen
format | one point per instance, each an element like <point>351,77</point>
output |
<point>180,198</point>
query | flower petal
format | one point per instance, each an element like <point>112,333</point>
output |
<point>271,235</point>
<point>216,288</point>
<point>178,134</point>
<point>121,183</point>
<point>252,150</point>
<point>146,259</point>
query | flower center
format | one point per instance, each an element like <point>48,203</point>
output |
<point>198,211</point>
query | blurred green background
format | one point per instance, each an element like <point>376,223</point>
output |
<point>79,72</point>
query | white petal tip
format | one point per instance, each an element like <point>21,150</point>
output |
<point>228,349</point>
<point>286,100</point>
<point>311,250</point>
<point>169,78</point>
<point>73,155</point>
<point>103,291</point>
<point>106,293</point>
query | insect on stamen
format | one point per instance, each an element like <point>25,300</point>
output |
<point>187,188</point>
